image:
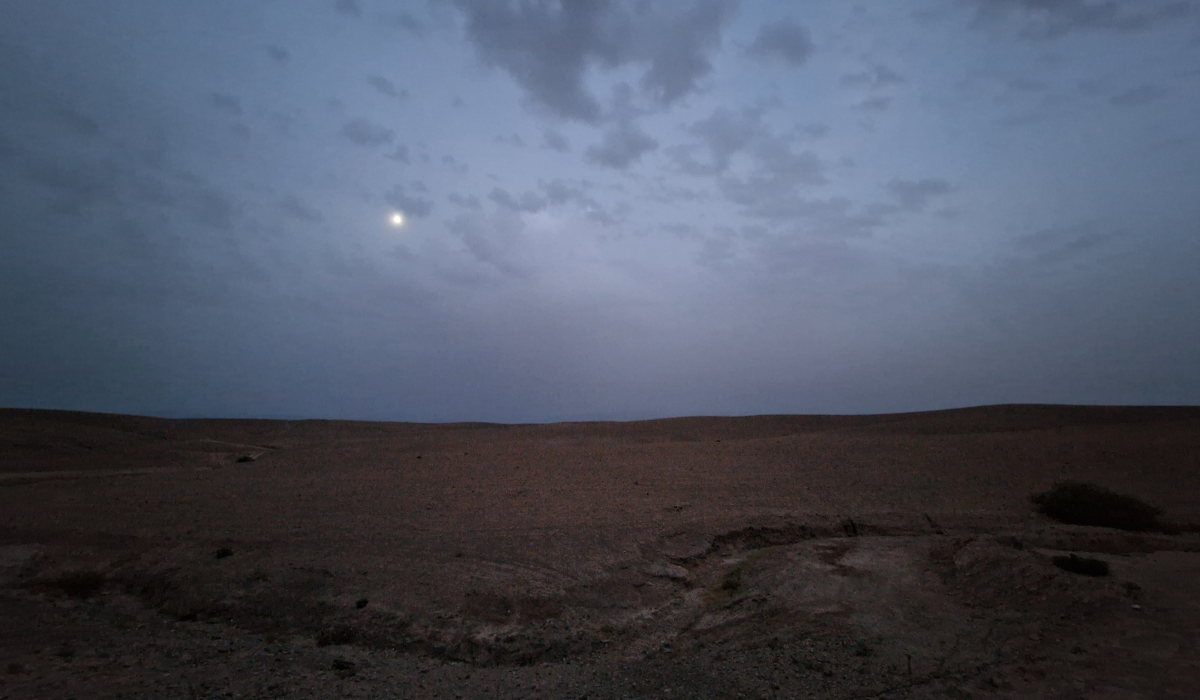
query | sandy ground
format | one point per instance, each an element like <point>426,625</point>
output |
<point>768,557</point>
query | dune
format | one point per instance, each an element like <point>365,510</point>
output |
<point>766,556</point>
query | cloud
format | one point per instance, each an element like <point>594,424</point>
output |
<point>350,8</point>
<point>876,78</point>
<point>386,87</point>
<point>771,184</point>
<point>225,103</point>
<point>784,40</point>
<point>1023,84</point>
<point>776,174</point>
<point>529,202</point>
<point>76,121</point>
<point>413,206</point>
<point>409,23</point>
<point>1051,246</point>
<point>364,133</point>
<point>466,202</point>
<point>400,154</point>
<point>1143,94</point>
<point>914,195</point>
<point>875,103</point>
<point>512,140</point>
<point>679,53</point>
<point>293,207</point>
<point>493,240</point>
<point>548,48</point>
<point>211,208</point>
<point>723,133</point>
<point>622,146</point>
<point>1038,20</point>
<point>555,141</point>
<point>454,164</point>
<point>560,191</point>
<point>77,187</point>
<point>278,53</point>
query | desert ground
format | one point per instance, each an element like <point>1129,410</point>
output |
<point>889,556</point>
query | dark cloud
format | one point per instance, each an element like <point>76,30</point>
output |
<point>832,217</point>
<point>914,195</point>
<point>723,133</point>
<point>364,133</point>
<point>466,202</point>
<point>875,103</point>
<point>777,175</point>
<point>623,145</point>
<point>76,121</point>
<point>495,241</point>
<point>76,186</point>
<point>211,208</point>
<point>7,150</point>
<point>297,209</point>
<point>278,53</point>
<point>784,40</point>
<point>349,8</point>
<point>679,51</point>
<point>454,164</point>
<point>400,154</point>
<point>419,207</point>
<point>876,78</point>
<point>386,87</point>
<point>548,48</point>
<point>225,103</point>
<point>815,131</point>
<point>1050,19</point>
<point>555,141</point>
<point>662,191</point>
<point>1140,95</point>
<point>409,23</point>
<point>529,202</point>
<point>1021,84</point>
<point>560,191</point>
<point>1052,246</point>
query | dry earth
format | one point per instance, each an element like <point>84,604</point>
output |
<point>891,556</point>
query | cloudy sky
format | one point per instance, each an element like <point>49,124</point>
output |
<point>611,209</point>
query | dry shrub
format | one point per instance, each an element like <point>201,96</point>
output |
<point>1081,565</point>
<point>75,584</point>
<point>1079,503</point>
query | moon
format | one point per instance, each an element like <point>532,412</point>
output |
<point>396,219</point>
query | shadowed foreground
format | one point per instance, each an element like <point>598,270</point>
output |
<point>774,556</point>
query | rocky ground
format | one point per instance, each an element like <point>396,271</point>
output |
<point>831,557</point>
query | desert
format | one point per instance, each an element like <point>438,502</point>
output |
<point>877,556</point>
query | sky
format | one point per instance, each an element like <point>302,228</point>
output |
<point>608,209</point>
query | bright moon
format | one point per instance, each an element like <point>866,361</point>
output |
<point>397,219</point>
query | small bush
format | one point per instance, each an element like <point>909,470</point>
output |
<point>1078,503</point>
<point>732,580</point>
<point>224,552</point>
<point>338,634</point>
<point>344,668</point>
<point>1082,565</point>
<point>77,584</point>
